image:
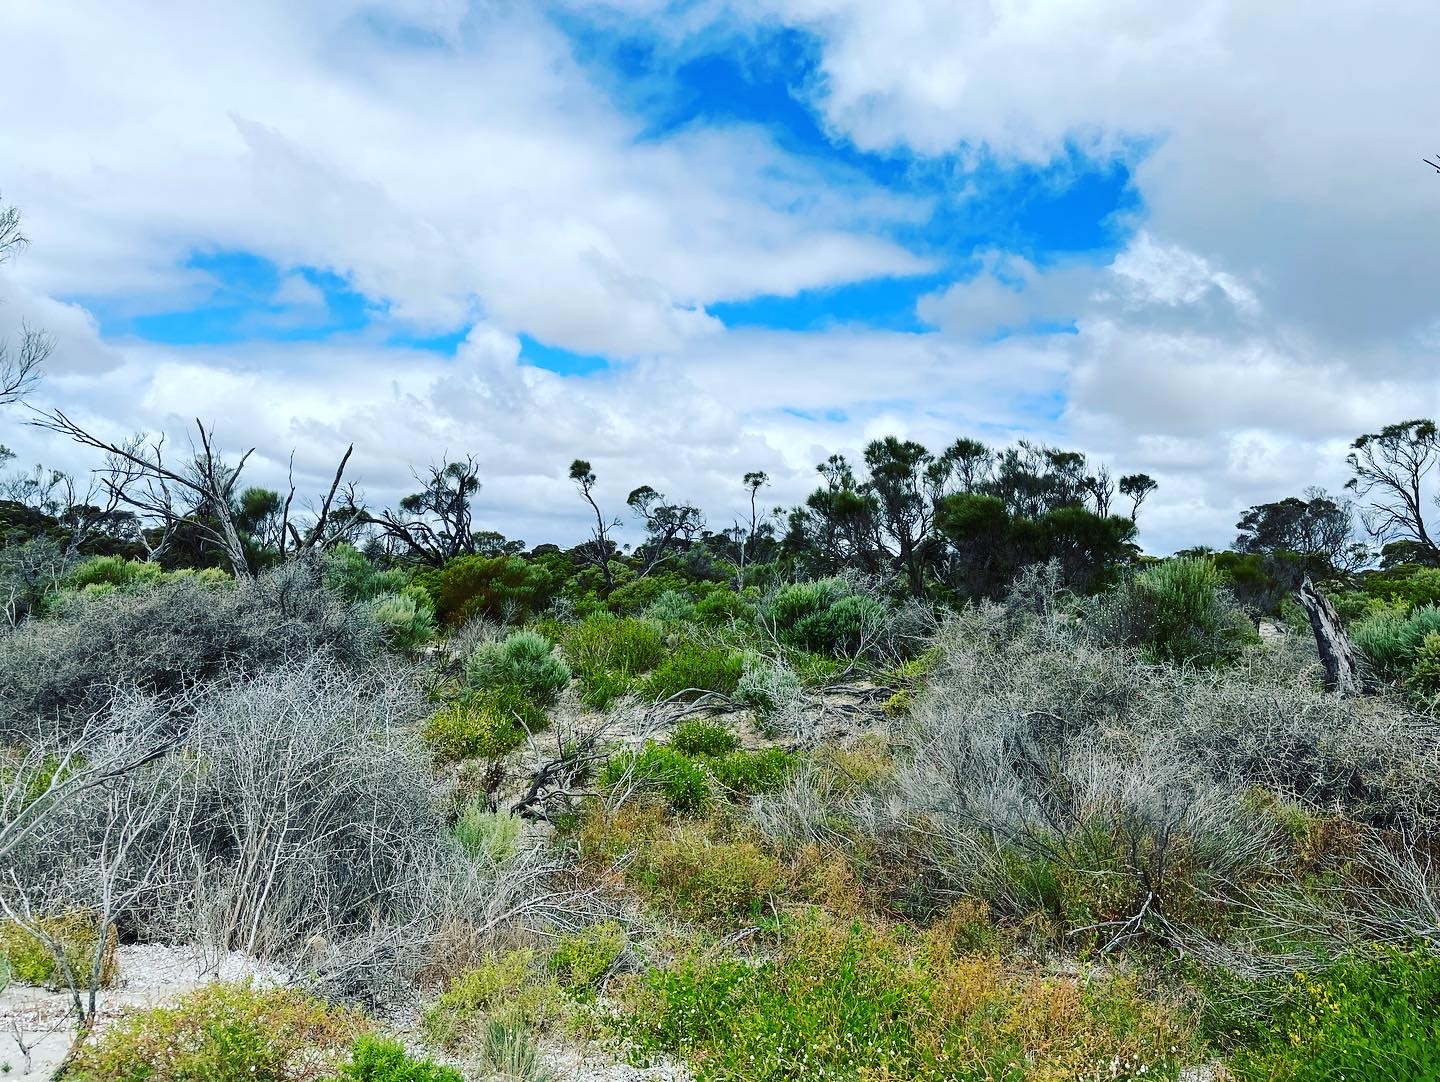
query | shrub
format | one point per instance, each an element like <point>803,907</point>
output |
<point>849,1001</point>
<point>659,769</point>
<point>695,668</point>
<point>486,835</point>
<point>114,571</point>
<point>825,616</point>
<point>722,606</point>
<point>351,575</point>
<point>1391,640</point>
<point>754,772</point>
<point>1177,611</point>
<point>1369,1017</point>
<point>624,644</point>
<point>693,876</point>
<point>703,738</point>
<point>638,595</point>
<point>510,989</point>
<point>483,725</point>
<point>224,1033</point>
<point>32,961</point>
<point>671,607</point>
<point>582,960</point>
<point>374,1059</point>
<point>510,1053</point>
<point>408,621</point>
<point>1423,680</point>
<point>167,639</point>
<point>769,688</point>
<point>525,662</point>
<point>504,588</point>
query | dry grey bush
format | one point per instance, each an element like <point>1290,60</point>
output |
<point>1034,742</point>
<point>296,819</point>
<point>170,637</point>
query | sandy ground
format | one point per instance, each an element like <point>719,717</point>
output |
<point>154,975</point>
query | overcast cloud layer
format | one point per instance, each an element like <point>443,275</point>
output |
<point>388,222</point>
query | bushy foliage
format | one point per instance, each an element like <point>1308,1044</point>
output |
<point>609,653</point>
<point>751,773</point>
<point>525,662</point>
<point>374,1059</point>
<point>826,616</point>
<point>165,639</point>
<point>1390,640</point>
<point>1376,1018</point>
<point>671,607</point>
<point>842,1001</point>
<point>678,779</point>
<point>405,617</point>
<point>582,960</point>
<point>503,588</point>
<point>225,1033</point>
<point>1178,612</point>
<point>511,989</point>
<point>485,724</point>
<point>351,575</point>
<point>485,835</point>
<point>703,738</point>
<point>34,961</point>
<point>693,668</point>
<point>770,688</point>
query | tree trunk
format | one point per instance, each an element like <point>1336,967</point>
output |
<point>1342,674</point>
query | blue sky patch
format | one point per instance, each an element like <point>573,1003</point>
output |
<point>555,359</point>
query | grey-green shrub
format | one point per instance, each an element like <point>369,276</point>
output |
<point>1177,611</point>
<point>525,660</point>
<point>408,620</point>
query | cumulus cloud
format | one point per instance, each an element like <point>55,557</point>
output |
<point>458,167</point>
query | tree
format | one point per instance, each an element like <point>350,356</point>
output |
<point>753,481</point>
<point>435,524</point>
<point>598,550</point>
<point>1137,488</point>
<point>1391,468</point>
<point>200,494</point>
<point>900,473</point>
<point>1318,530</point>
<point>20,367</point>
<point>667,526</point>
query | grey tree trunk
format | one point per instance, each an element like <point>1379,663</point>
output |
<point>1342,674</point>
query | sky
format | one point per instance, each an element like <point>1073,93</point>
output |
<point>687,240</point>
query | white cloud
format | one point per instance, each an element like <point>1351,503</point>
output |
<point>1278,299</point>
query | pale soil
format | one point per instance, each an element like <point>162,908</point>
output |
<point>155,975</point>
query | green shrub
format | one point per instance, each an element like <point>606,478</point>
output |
<point>659,769</point>
<point>722,606</point>
<point>692,876</point>
<point>525,662</point>
<point>483,725</point>
<point>511,989</point>
<point>637,595</point>
<point>351,575</point>
<point>495,587</point>
<point>695,668</point>
<point>33,962</point>
<point>1375,1018</point>
<point>407,619</point>
<point>582,960</point>
<point>605,643</point>
<point>703,738</point>
<point>851,1001</point>
<point>1423,680</point>
<point>114,571</point>
<point>826,616</point>
<point>374,1059</point>
<point>1411,584</point>
<point>224,1033</point>
<point>1177,612</point>
<point>1391,639</point>
<point>671,607</point>
<point>754,772</point>
<point>509,1052</point>
<point>486,835</point>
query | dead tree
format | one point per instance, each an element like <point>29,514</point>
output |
<point>200,493</point>
<point>19,368</point>
<point>1342,674</point>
